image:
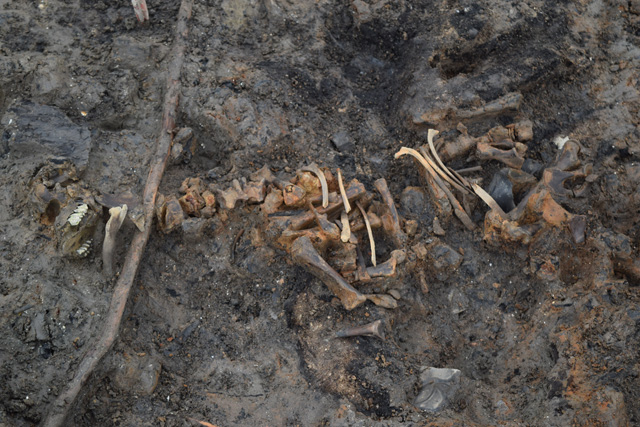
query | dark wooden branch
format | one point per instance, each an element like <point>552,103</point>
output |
<point>60,407</point>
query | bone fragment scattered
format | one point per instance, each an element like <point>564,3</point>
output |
<point>373,329</point>
<point>345,235</point>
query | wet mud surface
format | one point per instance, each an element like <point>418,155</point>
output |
<point>539,312</point>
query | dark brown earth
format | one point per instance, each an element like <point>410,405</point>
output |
<point>228,330</point>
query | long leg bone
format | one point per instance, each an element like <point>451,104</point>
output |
<point>306,255</point>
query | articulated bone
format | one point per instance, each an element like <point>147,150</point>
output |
<point>305,254</point>
<point>304,220</point>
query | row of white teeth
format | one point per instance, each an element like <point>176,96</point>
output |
<point>78,214</point>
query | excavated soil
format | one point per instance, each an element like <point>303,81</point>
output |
<point>221,325</point>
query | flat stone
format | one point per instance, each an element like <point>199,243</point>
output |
<point>501,189</point>
<point>443,257</point>
<point>343,142</point>
<point>37,132</point>
<point>137,374</point>
<point>439,385</point>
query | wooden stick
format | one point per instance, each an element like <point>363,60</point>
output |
<point>60,407</point>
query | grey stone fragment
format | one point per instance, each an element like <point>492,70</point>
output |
<point>343,142</point>
<point>37,132</point>
<point>501,190</point>
<point>39,327</point>
<point>439,385</point>
<point>442,256</point>
<point>137,374</point>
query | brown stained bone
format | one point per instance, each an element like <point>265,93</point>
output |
<point>304,220</point>
<point>373,329</point>
<point>397,234</point>
<point>507,103</point>
<point>521,181</point>
<point>210,204</point>
<point>458,148</point>
<point>385,301</point>
<point>229,197</point>
<point>433,167</point>
<point>324,224</point>
<point>321,239</point>
<point>555,179</point>
<point>568,159</point>
<point>511,158</point>
<point>46,205</point>
<point>436,189</point>
<point>272,201</point>
<point>191,184</point>
<point>255,191</point>
<point>305,255</point>
<point>454,203</point>
<point>317,199</point>
<point>468,170</point>
<point>343,258</point>
<point>192,202</point>
<point>440,197</point>
<point>540,208</point>
<point>362,274</point>
<point>523,130</point>
<point>170,214</point>
<point>387,268</point>
<point>498,230</point>
<point>358,223</point>
<point>323,182</point>
<point>263,173</point>
<point>293,195</point>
